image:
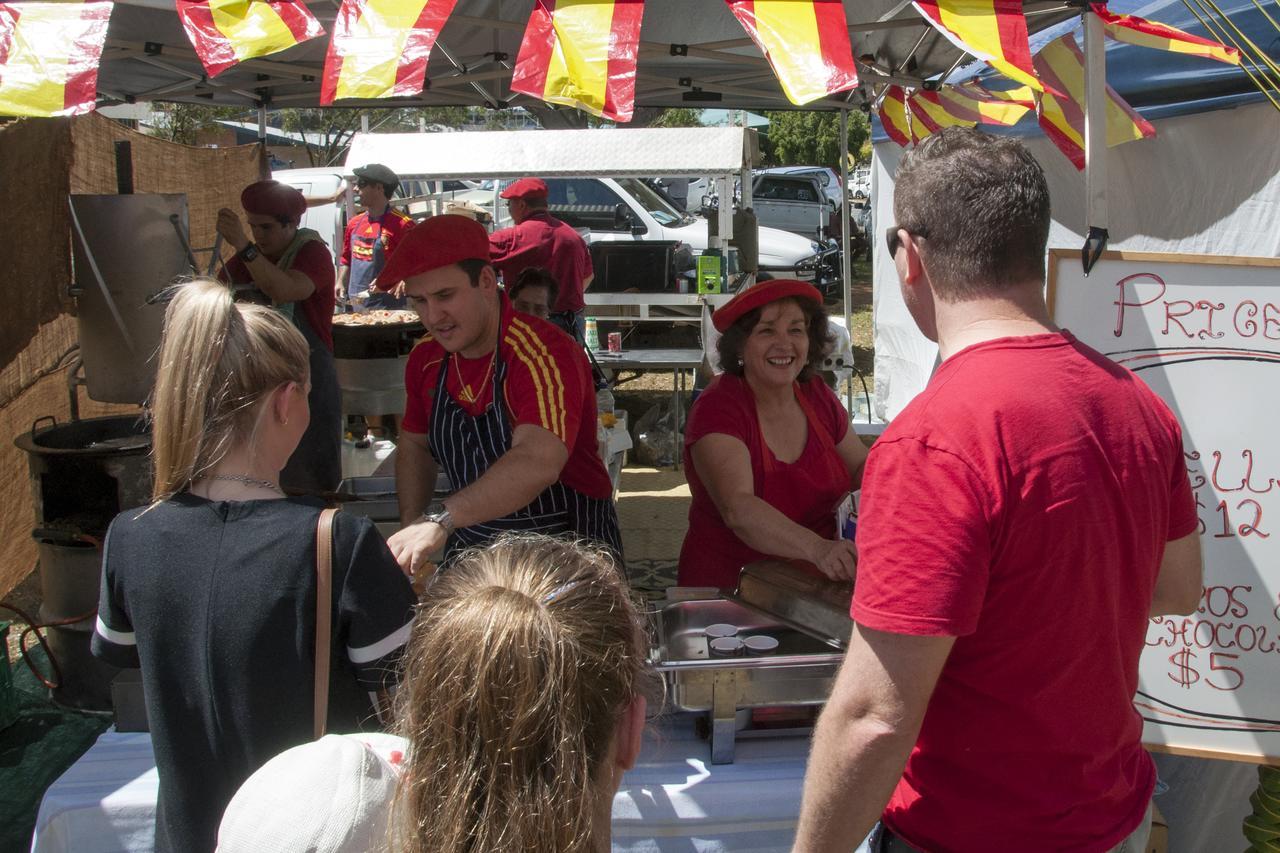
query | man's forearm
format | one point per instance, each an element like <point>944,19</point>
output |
<point>854,765</point>
<point>415,480</point>
<point>511,483</point>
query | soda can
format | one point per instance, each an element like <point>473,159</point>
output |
<point>615,342</point>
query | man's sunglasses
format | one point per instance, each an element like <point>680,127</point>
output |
<point>893,241</point>
<point>364,182</point>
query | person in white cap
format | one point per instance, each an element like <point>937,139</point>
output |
<point>329,796</point>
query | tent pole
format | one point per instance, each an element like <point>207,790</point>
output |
<point>262,121</point>
<point>1095,140</point>
<point>846,262</point>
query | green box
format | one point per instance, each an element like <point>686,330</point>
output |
<point>709,272</point>
<point>8,693</point>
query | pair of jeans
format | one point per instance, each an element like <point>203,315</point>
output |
<point>882,840</point>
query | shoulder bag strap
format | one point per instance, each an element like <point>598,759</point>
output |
<point>324,616</point>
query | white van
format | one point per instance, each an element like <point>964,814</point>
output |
<point>328,220</point>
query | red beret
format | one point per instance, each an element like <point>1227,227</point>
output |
<point>434,243</point>
<point>272,198</point>
<point>762,294</point>
<point>524,188</point>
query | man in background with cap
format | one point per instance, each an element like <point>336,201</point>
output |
<point>502,401</point>
<point>371,236</point>
<point>291,268</point>
<point>538,239</point>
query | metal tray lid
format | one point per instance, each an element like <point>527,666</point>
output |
<point>815,605</point>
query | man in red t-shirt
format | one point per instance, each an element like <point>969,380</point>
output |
<point>538,239</point>
<point>501,400</point>
<point>291,268</point>
<point>1020,521</point>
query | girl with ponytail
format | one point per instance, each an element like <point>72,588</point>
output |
<point>211,590</point>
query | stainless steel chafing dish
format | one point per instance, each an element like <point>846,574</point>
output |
<point>807,616</point>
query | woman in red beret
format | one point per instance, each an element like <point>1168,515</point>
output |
<point>292,268</point>
<point>768,448</point>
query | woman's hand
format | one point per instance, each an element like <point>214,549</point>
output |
<point>835,558</point>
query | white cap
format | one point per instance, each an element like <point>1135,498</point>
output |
<point>330,796</point>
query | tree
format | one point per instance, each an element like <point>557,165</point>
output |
<point>808,138</point>
<point>182,122</point>
<point>678,117</point>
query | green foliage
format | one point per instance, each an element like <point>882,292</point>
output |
<point>807,138</point>
<point>678,117</point>
<point>181,122</point>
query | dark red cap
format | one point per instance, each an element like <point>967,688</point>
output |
<point>525,188</point>
<point>762,294</point>
<point>272,198</point>
<point>434,243</point>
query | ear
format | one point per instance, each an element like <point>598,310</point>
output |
<point>908,262</point>
<point>630,733</point>
<point>280,401</point>
<point>488,279</point>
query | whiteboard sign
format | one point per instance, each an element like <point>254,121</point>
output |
<point>1204,333</point>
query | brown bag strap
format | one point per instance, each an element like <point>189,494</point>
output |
<point>324,616</point>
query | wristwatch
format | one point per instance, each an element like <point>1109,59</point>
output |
<point>444,518</point>
<point>249,252</point>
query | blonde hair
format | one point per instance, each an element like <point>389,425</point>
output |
<point>522,659</point>
<point>218,359</point>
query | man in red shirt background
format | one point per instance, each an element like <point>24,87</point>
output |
<point>1020,521</point>
<point>538,239</point>
<point>371,237</point>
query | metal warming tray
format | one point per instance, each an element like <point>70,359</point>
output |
<point>775,600</point>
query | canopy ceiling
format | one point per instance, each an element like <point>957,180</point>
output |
<point>693,54</point>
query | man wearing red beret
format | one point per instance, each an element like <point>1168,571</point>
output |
<point>501,400</point>
<point>292,268</point>
<point>538,239</point>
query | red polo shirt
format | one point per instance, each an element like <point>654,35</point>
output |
<point>544,241</point>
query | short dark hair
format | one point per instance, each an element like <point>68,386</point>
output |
<point>981,205</point>
<point>535,277</point>
<point>473,267</point>
<point>734,339</point>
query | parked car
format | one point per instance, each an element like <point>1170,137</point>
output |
<point>791,202</point>
<point>828,178</point>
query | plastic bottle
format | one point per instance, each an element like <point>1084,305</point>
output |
<point>593,335</point>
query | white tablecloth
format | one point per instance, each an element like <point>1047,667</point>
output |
<point>673,800</point>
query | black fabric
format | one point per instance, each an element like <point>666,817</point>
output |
<point>316,465</point>
<point>216,602</point>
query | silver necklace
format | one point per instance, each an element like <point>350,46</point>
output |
<point>247,480</point>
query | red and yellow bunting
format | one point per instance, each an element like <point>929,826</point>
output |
<point>380,48</point>
<point>994,31</point>
<point>225,32</point>
<point>49,54</point>
<point>805,41</point>
<point>1061,65</point>
<point>582,53</point>
<point>893,115</point>
<point>1144,33</point>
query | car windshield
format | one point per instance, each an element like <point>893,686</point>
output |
<point>658,207</point>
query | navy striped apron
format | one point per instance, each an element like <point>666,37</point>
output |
<point>466,445</point>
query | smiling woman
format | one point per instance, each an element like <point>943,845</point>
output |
<point>768,448</point>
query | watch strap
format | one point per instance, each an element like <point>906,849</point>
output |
<point>249,252</point>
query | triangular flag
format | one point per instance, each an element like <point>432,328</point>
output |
<point>994,31</point>
<point>805,41</point>
<point>49,54</point>
<point>225,32</point>
<point>926,108</point>
<point>1144,33</point>
<point>1061,65</point>
<point>986,106</point>
<point>582,53</point>
<point>893,116</point>
<point>380,48</point>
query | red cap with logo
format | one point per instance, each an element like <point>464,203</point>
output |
<point>434,243</point>
<point>762,294</point>
<point>525,188</point>
<point>272,198</point>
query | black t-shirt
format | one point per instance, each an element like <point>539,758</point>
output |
<point>215,601</point>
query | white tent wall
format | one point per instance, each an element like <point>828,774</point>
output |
<point>1207,184</point>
